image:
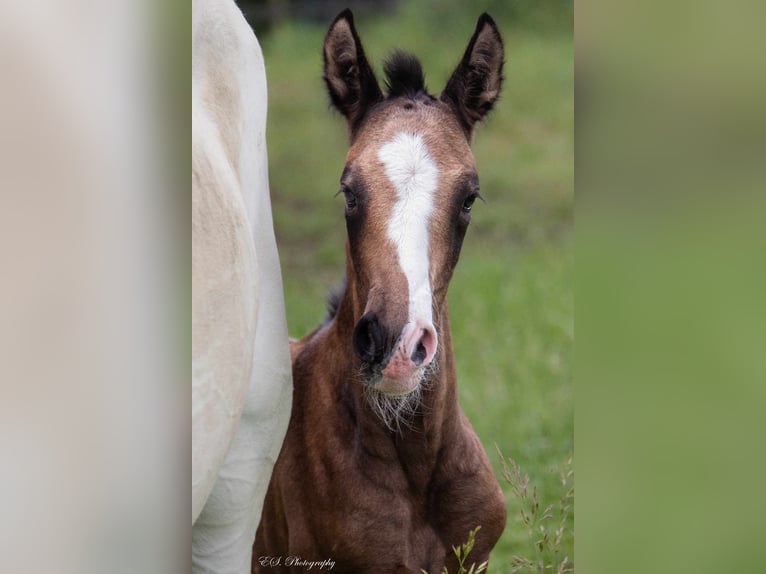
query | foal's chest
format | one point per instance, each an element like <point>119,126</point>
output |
<point>381,531</point>
<point>374,518</point>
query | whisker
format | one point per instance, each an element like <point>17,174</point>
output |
<point>398,412</point>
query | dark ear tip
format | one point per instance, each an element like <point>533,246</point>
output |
<point>345,15</point>
<point>486,19</point>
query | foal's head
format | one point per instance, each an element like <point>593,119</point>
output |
<point>409,183</point>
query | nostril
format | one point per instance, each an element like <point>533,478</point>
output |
<point>368,339</point>
<point>420,353</point>
<point>430,343</point>
<point>425,348</point>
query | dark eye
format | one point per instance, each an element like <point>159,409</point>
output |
<point>468,203</point>
<point>350,197</point>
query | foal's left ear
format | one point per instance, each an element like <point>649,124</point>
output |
<point>350,80</point>
<point>475,84</point>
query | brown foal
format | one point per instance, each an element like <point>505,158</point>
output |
<point>380,470</point>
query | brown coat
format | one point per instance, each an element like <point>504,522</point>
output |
<point>348,489</point>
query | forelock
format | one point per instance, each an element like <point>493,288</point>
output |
<point>404,75</point>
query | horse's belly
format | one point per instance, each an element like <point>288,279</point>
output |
<point>224,313</point>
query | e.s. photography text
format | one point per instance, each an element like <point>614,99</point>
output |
<point>295,561</point>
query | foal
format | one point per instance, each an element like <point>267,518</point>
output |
<point>381,470</point>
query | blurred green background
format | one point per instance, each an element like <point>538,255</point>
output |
<point>511,299</point>
<point>671,361</point>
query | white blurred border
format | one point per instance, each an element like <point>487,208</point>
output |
<point>93,291</point>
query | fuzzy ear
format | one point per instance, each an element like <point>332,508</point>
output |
<point>475,84</point>
<point>350,80</point>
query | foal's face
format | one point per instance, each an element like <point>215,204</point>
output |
<point>409,184</point>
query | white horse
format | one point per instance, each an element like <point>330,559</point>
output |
<point>241,372</point>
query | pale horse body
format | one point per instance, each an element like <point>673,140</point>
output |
<point>241,372</point>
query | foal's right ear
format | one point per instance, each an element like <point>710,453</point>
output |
<point>350,80</point>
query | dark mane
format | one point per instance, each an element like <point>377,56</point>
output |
<point>334,299</point>
<point>404,75</point>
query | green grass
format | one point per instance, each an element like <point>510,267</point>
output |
<point>511,299</point>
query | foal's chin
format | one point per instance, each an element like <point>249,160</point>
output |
<point>395,401</point>
<point>399,386</point>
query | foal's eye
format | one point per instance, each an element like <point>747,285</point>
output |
<point>350,197</point>
<point>468,203</point>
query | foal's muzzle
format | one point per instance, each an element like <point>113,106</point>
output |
<point>398,355</point>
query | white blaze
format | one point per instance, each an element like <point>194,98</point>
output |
<point>414,175</point>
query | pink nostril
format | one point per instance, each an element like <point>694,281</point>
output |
<point>425,349</point>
